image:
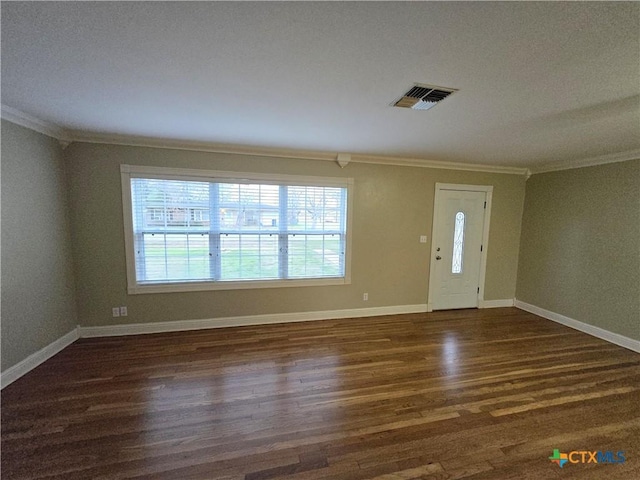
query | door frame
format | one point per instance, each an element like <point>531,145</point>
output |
<point>488,189</point>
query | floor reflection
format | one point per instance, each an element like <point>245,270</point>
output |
<point>450,359</point>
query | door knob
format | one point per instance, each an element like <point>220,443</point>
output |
<point>438,257</point>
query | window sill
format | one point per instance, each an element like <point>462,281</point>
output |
<point>233,285</point>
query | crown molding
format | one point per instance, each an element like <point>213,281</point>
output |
<point>69,136</point>
<point>287,153</point>
<point>424,163</point>
<point>23,119</point>
<point>587,162</point>
<point>150,142</point>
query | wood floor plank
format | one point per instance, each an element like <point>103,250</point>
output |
<point>473,394</point>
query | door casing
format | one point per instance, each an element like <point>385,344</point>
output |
<point>488,189</point>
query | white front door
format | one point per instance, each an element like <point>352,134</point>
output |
<point>457,249</point>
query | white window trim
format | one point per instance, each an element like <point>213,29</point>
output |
<point>127,172</point>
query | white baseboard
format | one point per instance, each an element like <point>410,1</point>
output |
<point>505,302</point>
<point>11,374</point>
<point>181,325</point>
<point>601,333</point>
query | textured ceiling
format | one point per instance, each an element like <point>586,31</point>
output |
<point>538,82</point>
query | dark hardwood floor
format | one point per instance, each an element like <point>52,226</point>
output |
<point>476,394</point>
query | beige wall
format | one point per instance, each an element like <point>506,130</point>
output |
<point>38,298</point>
<point>580,246</point>
<point>393,206</point>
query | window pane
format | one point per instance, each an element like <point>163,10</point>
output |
<point>248,257</point>
<point>249,207</point>
<point>315,256</point>
<point>315,208</point>
<point>172,257</point>
<point>458,243</point>
<point>170,205</point>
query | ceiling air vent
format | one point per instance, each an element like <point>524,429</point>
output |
<point>423,97</point>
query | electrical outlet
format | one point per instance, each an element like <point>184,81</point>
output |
<point>115,311</point>
<point>123,311</point>
<point>423,239</point>
<point>365,296</point>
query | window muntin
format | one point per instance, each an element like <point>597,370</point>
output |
<point>458,243</point>
<point>221,231</point>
